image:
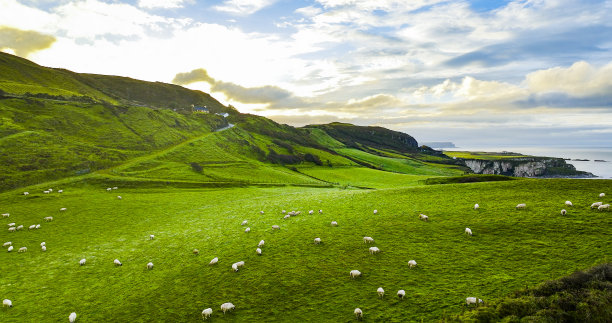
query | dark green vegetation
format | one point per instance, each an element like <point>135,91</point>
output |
<point>580,297</point>
<point>191,186</point>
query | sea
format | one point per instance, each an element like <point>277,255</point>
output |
<point>603,170</point>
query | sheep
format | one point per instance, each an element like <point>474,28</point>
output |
<point>115,187</point>
<point>50,190</point>
<point>12,229</point>
<point>358,313</point>
<point>261,212</point>
<point>60,191</point>
<point>235,267</point>
<point>247,230</point>
<point>596,205</point>
<point>261,243</point>
<point>48,218</point>
<point>375,211</point>
<point>46,192</point>
<point>151,237</point>
<point>207,313</point>
<point>150,266</point>
<point>6,244</point>
<point>521,206</point>
<point>44,248</point>
<point>237,264</point>
<point>602,194</point>
<point>472,300</point>
<point>11,224</point>
<point>283,211</point>
<point>119,197</point>
<point>412,263</point>
<point>334,224</point>
<point>6,215</point>
<point>214,261</point>
<point>368,239</point>
<point>72,317</point>
<point>108,189</point>
<point>244,222</point>
<point>603,207</point>
<point>355,273</point>
<point>82,262</point>
<point>23,249</point>
<point>381,292</point>
<point>10,249</point>
<point>476,206</point>
<point>62,209</point>
<point>258,251</point>
<point>7,303</point>
<point>37,226</point>
<point>310,212</point>
<point>320,211</point>
<point>568,203</point>
<point>423,217</point>
<point>275,227</point>
<point>286,217</point>
<point>298,212</point>
<point>317,240</point>
<point>26,193</point>
<point>401,293</point>
<point>42,244</point>
<point>374,250</point>
<point>563,212</point>
<point>32,227</point>
<point>117,262</point>
<point>468,231</point>
<point>227,307</point>
<point>19,227</point>
<point>196,252</point>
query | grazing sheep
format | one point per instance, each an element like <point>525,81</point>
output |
<point>6,215</point>
<point>320,211</point>
<point>23,249</point>
<point>115,187</point>
<point>46,192</point>
<point>355,273</point>
<point>19,227</point>
<point>401,293</point>
<point>334,224</point>
<point>258,251</point>
<point>32,227</point>
<point>44,248</point>
<point>476,206</point>
<point>108,189</point>
<point>261,212</point>
<point>214,261</point>
<point>275,227</point>
<point>63,209</point>
<point>10,249</point>
<point>6,244</point>
<point>298,212</point>
<point>60,191</point>
<point>381,292</point>
<point>82,262</point>
<point>374,250</point>
<point>596,205</point>
<point>563,212</point>
<point>196,252</point>
<point>26,193</point>
<point>235,267</point>
<point>423,217</point>
<point>244,222</point>
<point>237,264</point>
<point>521,206</point>
<point>603,207</point>
<point>119,197</point>
<point>48,219</point>
<point>286,216</point>
<point>468,231</point>
<point>12,229</point>
<point>602,194</point>
<point>375,211</point>
<point>568,203</point>
<point>283,211</point>
<point>11,224</point>
<point>117,262</point>
<point>150,265</point>
<point>368,239</point>
<point>227,307</point>
<point>358,313</point>
<point>50,190</point>
<point>7,303</point>
<point>317,240</point>
<point>310,212</point>
<point>43,244</point>
<point>72,317</point>
<point>247,230</point>
<point>472,300</point>
<point>412,263</point>
<point>151,237</point>
<point>261,243</point>
<point>207,313</point>
<point>37,226</point>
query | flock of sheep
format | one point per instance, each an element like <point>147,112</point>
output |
<point>206,313</point>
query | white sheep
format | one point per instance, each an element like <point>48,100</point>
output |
<point>7,303</point>
<point>603,207</point>
<point>235,267</point>
<point>412,263</point>
<point>375,211</point>
<point>60,191</point>
<point>37,226</point>
<point>244,222</point>
<point>401,293</point>
<point>381,292</point>
<point>320,211</point>
<point>602,194</point>
<point>48,218</point>
<point>568,203</point>
<point>476,206</point>
<point>227,307</point>
<point>150,265</point>
<point>72,317</point>
<point>283,211</point>
<point>22,249</point>
<point>108,189</point>
<point>207,313</point>
<point>374,250</point>
<point>196,252</point>
<point>247,230</point>
<point>46,192</point>
<point>355,273</point>
<point>334,224</point>
<point>275,227</point>
<point>12,229</point>
<point>11,224</point>
<point>44,248</point>
<point>151,236</point>
<point>261,212</point>
<point>258,251</point>
<point>119,197</point>
<point>317,240</point>
<point>286,217</point>
<point>115,187</point>
<point>423,217</point>
<point>6,215</point>
<point>472,300</point>
<point>10,249</point>
<point>261,243</point>
<point>214,261</point>
<point>237,264</point>
<point>42,244</point>
<point>6,244</point>
<point>82,262</point>
<point>596,205</point>
<point>563,212</point>
<point>521,206</point>
<point>311,212</point>
<point>358,313</point>
<point>468,231</point>
<point>26,193</point>
<point>50,190</point>
<point>368,239</point>
<point>63,209</point>
<point>32,227</point>
<point>19,227</point>
<point>117,262</point>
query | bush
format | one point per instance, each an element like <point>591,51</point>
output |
<point>196,167</point>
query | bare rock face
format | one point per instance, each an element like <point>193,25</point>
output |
<point>525,167</point>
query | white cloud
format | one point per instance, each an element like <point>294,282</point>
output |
<point>580,80</point>
<point>243,7</point>
<point>165,4</point>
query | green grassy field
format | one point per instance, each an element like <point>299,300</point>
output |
<point>294,279</point>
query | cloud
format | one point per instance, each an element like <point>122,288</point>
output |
<point>164,4</point>
<point>243,7</point>
<point>579,80</point>
<point>197,75</point>
<point>24,42</point>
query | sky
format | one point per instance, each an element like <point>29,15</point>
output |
<point>477,73</point>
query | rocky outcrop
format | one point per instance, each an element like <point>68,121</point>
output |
<point>525,167</point>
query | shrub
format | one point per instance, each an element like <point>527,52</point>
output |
<point>196,167</point>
